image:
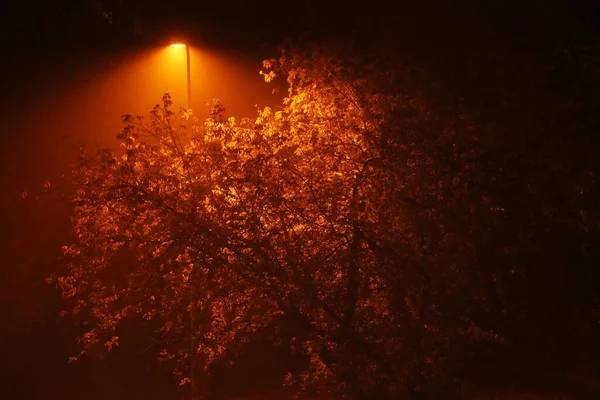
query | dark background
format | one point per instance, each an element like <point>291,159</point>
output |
<point>43,46</point>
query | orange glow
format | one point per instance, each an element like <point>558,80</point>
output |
<point>178,45</point>
<point>100,88</point>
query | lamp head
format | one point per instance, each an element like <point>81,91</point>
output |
<point>177,40</point>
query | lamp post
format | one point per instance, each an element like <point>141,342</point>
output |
<point>189,71</point>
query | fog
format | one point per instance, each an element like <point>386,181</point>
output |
<point>71,100</point>
<point>53,102</point>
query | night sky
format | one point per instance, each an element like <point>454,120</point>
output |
<point>49,53</point>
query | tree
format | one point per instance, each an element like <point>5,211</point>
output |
<point>348,213</point>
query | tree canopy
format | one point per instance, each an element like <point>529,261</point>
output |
<point>357,213</point>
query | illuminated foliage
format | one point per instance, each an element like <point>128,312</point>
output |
<point>345,213</point>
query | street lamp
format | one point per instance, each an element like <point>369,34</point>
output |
<point>189,75</point>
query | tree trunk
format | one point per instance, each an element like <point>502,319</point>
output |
<point>193,352</point>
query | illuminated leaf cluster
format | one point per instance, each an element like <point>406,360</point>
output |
<point>338,212</point>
